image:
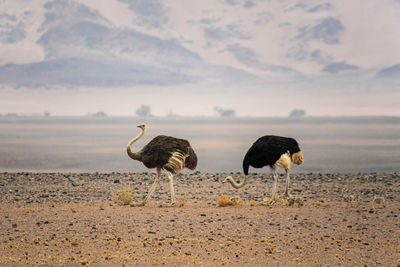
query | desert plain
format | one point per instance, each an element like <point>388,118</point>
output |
<point>75,219</point>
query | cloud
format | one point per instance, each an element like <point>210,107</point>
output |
<point>312,9</point>
<point>243,54</point>
<point>64,12</point>
<point>263,18</point>
<point>298,5</point>
<point>298,52</point>
<point>232,2</point>
<point>81,33</point>
<point>207,21</point>
<point>229,31</point>
<point>248,4</point>
<point>148,12</point>
<point>319,57</point>
<point>320,7</point>
<point>392,71</point>
<point>326,30</point>
<point>216,33</point>
<point>14,35</point>
<point>11,30</point>
<point>337,67</point>
<point>8,17</point>
<point>249,58</point>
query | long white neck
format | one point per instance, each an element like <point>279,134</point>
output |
<point>234,184</point>
<point>131,154</point>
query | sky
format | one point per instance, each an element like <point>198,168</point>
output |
<point>200,58</point>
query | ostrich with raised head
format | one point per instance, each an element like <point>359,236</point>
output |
<point>165,153</point>
<point>275,152</point>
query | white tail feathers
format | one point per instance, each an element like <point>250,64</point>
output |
<point>176,162</point>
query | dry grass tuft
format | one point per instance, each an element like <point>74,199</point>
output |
<point>181,202</point>
<point>293,200</point>
<point>36,240</point>
<point>224,200</point>
<point>319,202</point>
<point>124,196</point>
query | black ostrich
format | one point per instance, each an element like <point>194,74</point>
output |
<point>275,152</point>
<point>164,153</point>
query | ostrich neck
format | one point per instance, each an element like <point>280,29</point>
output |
<point>131,154</point>
<point>238,185</point>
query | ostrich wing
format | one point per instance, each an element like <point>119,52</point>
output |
<point>159,150</point>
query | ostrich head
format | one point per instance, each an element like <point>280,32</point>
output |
<point>235,184</point>
<point>142,126</point>
<point>227,179</point>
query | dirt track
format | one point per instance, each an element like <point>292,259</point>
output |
<point>72,219</point>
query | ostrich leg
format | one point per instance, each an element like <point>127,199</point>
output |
<point>153,187</point>
<point>275,175</point>
<point>287,194</point>
<point>171,187</point>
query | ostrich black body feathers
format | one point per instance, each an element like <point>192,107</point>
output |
<point>158,152</point>
<point>267,150</point>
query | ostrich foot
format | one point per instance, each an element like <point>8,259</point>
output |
<point>138,205</point>
<point>171,204</point>
<point>271,200</point>
<point>288,195</point>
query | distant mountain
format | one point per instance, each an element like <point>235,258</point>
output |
<point>86,72</point>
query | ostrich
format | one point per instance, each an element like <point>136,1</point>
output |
<point>164,153</point>
<point>275,152</point>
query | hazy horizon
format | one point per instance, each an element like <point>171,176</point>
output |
<point>87,144</point>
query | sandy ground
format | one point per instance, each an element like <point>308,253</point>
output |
<point>66,219</point>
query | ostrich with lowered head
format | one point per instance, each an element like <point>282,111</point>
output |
<point>164,153</point>
<point>275,152</point>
